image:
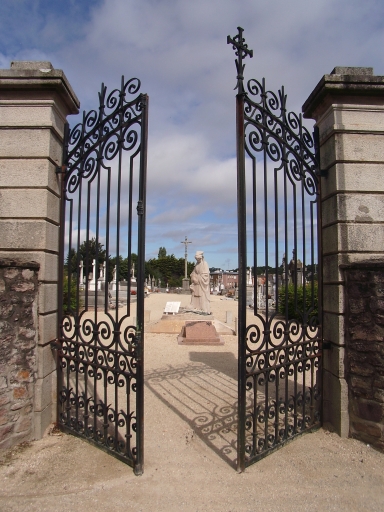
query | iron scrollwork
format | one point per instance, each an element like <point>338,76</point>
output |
<point>100,366</point>
<point>280,341</point>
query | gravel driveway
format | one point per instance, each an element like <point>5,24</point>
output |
<point>190,450</point>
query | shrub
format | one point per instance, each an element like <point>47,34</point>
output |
<point>69,295</point>
<point>296,312</point>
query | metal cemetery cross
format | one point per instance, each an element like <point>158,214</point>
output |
<point>241,50</point>
<point>279,340</point>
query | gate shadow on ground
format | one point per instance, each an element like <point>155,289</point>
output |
<point>223,362</point>
<point>205,398</point>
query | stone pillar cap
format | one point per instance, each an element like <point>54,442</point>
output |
<point>345,82</point>
<point>340,70</point>
<point>41,65</point>
<point>38,76</point>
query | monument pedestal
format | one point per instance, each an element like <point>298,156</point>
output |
<point>199,332</point>
<point>175,324</point>
<point>186,284</point>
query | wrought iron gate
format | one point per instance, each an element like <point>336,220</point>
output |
<point>278,211</point>
<point>100,345</point>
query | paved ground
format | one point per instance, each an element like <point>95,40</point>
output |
<point>189,457</point>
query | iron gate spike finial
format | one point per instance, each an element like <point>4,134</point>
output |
<point>241,50</point>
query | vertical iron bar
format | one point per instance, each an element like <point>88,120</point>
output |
<point>60,312</point>
<point>118,242</point>
<point>107,221</point>
<point>254,416</point>
<point>276,182</point>
<point>266,241</point>
<point>254,221</point>
<point>242,262</point>
<point>139,463</point>
<point>316,137</point>
<point>129,233</point>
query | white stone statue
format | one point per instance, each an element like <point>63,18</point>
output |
<point>200,298</point>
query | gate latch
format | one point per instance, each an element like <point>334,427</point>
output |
<point>140,207</point>
<point>138,346</point>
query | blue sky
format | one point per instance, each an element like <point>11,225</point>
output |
<point>178,50</point>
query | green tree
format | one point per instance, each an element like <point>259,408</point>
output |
<point>70,264</point>
<point>293,303</point>
<point>87,252</point>
<point>168,268</point>
<point>70,293</point>
<point>162,252</point>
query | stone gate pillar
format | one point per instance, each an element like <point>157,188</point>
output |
<point>348,107</point>
<point>35,100</point>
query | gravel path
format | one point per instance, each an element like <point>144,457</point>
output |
<point>190,434</point>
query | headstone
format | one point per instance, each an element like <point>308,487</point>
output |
<point>114,284</point>
<point>81,277</point>
<point>92,284</point>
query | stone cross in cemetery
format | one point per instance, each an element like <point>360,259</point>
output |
<point>186,280</point>
<point>92,284</point>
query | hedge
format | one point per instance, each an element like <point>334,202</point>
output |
<point>311,301</point>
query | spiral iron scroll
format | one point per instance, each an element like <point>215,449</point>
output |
<point>269,126</point>
<point>282,355</point>
<point>282,384</point>
<point>115,125</point>
<point>98,365</point>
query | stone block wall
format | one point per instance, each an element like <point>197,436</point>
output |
<point>35,100</point>
<point>348,107</point>
<point>18,341</point>
<point>364,365</point>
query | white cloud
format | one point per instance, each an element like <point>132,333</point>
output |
<point>178,49</point>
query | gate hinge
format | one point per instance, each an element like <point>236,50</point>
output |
<point>140,207</point>
<point>55,345</point>
<point>322,174</point>
<point>327,345</point>
<point>61,169</point>
<point>138,346</point>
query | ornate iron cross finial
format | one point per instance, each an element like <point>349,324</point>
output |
<point>241,50</point>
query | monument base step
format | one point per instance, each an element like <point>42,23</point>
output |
<point>172,324</point>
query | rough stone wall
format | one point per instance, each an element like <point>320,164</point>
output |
<point>365,351</point>
<point>18,340</point>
